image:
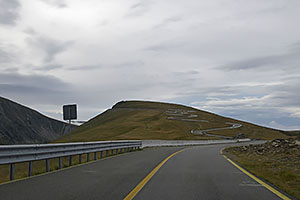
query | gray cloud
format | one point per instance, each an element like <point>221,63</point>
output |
<point>165,46</point>
<point>260,104</point>
<point>10,70</point>
<point>168,21</point>
<point>130,64</point>
<point>43,81</point>
<point>56,3</point>
<point>8,56</point>
<point>30,31</point>
<point>84,68</point>
<point>49,67</point>
<point>186,73</point>
<point>5,57</point>
<point>35,88</point>
<point>50,46</point>
<point>9,11</point>
<point>139,8</point>
<point>287,60</point>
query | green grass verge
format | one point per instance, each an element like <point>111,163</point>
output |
<point>281,170</point>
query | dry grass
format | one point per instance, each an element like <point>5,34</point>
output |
<point>282,170</point>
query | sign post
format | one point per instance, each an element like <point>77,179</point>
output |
<point>70,112</point>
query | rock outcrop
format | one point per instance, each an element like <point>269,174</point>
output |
<point>22,125</point>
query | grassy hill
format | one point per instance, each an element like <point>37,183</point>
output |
<point>151,120</point>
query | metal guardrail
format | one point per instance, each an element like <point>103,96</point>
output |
<point>11,154</point>
<point>168,143</point>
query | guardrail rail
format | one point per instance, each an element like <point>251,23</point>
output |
<point>12,154</point>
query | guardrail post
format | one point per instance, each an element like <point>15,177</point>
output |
<point>59,163</point>
<point>12,171</point>
<point>87,157</point>
<point>112,152</point>
<point>30,168</point>
<point>70,160</point>
<point>106,153</point>
<point>101,154</point>
<point>47,165</point>
<point>95,156</point>
<point>80,158</point>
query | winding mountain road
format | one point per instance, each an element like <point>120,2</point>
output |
<point>185,115</point>
<point>204,132</point>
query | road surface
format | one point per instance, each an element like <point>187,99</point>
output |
<point>198,172</point>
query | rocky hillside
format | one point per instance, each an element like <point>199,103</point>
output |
<point>20,125</point>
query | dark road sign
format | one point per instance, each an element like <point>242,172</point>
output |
<point>70,112</point>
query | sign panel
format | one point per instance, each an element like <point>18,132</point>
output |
<point>70,112</point>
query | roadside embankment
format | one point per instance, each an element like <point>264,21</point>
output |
<point>276,161</point>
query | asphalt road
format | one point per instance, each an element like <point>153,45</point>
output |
<point>196,173</point>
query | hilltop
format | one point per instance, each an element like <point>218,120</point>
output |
<point>22,125</point>
<point>155,120</point>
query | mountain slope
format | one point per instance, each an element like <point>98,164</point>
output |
<point>20,125</point>
<point>152,120</point>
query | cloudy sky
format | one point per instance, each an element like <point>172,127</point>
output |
<point>237,58</point>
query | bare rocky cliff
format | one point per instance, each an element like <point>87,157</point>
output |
<point>22,125</point>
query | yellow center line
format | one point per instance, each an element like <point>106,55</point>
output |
<point>279,194</point>
<point>138,188</point>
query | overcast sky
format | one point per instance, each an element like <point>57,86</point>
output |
<point>237,58</point>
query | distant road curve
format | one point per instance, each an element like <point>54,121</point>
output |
<point>204,132</point>
<point>177,114</point>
